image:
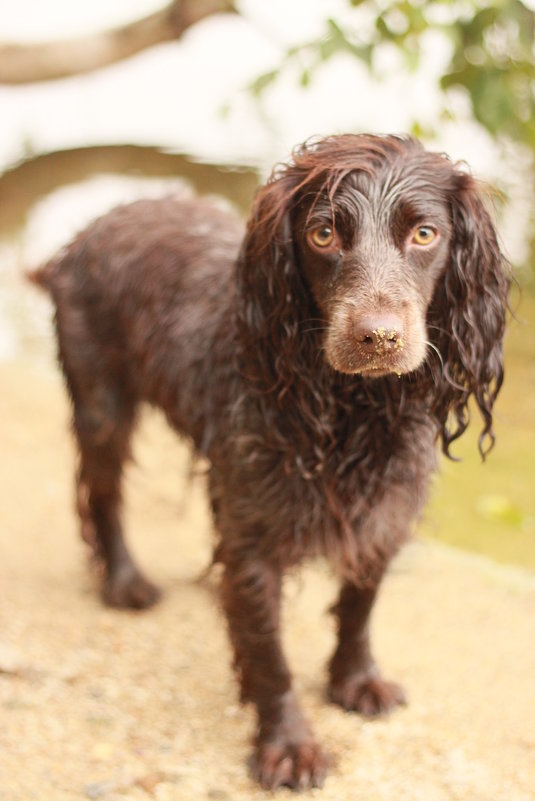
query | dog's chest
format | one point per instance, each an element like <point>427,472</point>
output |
<point>306,501</point>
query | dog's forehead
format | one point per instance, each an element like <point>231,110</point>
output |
<point>423,181</point>
<point>379,177</point>
<point>419,172</point>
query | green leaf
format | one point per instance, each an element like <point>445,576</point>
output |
<point>263,81</point>
<point>305,78</point>
<point>383,29</point>
<point>422,132</point>
<point>525,18</point>
<point>473,30</point>
<point>340,41</point>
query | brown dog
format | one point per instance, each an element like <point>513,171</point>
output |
<point>315,361</point>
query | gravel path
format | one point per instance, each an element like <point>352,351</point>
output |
<point>99,704</point>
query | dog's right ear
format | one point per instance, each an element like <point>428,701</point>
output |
<point>270,290</point>
<point>470,313</point>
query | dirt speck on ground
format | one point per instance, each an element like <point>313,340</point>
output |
<point>101,704</point>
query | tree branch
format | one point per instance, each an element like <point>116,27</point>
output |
<point>20,63</point>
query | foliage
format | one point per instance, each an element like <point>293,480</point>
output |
<point>492,53</point>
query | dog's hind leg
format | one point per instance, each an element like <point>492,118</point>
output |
<point>103,418</point>
<point>103,450</point>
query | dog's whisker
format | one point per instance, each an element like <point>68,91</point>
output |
<point>434,348</point>
<point>308,320</point>
<point>315,329</point>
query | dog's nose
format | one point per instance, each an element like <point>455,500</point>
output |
<point>377,333</point>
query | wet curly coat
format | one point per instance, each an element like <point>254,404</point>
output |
<point>315,360</point>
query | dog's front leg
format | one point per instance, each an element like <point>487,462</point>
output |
<point>286,752</point>
<point>355,681</point>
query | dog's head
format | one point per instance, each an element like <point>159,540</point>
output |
<point>380,258</point>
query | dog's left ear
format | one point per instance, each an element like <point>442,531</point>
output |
<point>469,311</point>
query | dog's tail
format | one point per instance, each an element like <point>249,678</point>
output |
<point>44,276</point>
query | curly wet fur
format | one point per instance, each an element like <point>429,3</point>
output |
<point>271,355</point>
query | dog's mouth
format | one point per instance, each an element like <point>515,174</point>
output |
<point>385,357</point>
<point>399,360</point>
<point>379,372</point>
<point>371,370</point>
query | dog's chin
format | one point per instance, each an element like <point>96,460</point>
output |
<point>379,371</point>
<point>374,368</point>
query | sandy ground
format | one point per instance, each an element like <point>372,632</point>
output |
<point>107,705</point>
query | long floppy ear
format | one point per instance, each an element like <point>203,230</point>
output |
<point>272,299</point>
<point>469,311</point>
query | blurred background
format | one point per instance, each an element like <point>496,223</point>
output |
<point>107,101</point>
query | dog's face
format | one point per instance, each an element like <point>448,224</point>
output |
<point>371,257</point>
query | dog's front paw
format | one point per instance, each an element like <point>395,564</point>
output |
<point>301,765</point>
<point>367,693</point>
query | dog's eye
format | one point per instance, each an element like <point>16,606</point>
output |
<point>423,235</point>
<point>322,236</point>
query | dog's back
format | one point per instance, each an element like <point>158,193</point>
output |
<point>141,298</point>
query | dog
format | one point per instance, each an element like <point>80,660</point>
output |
<point>315,359</point>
